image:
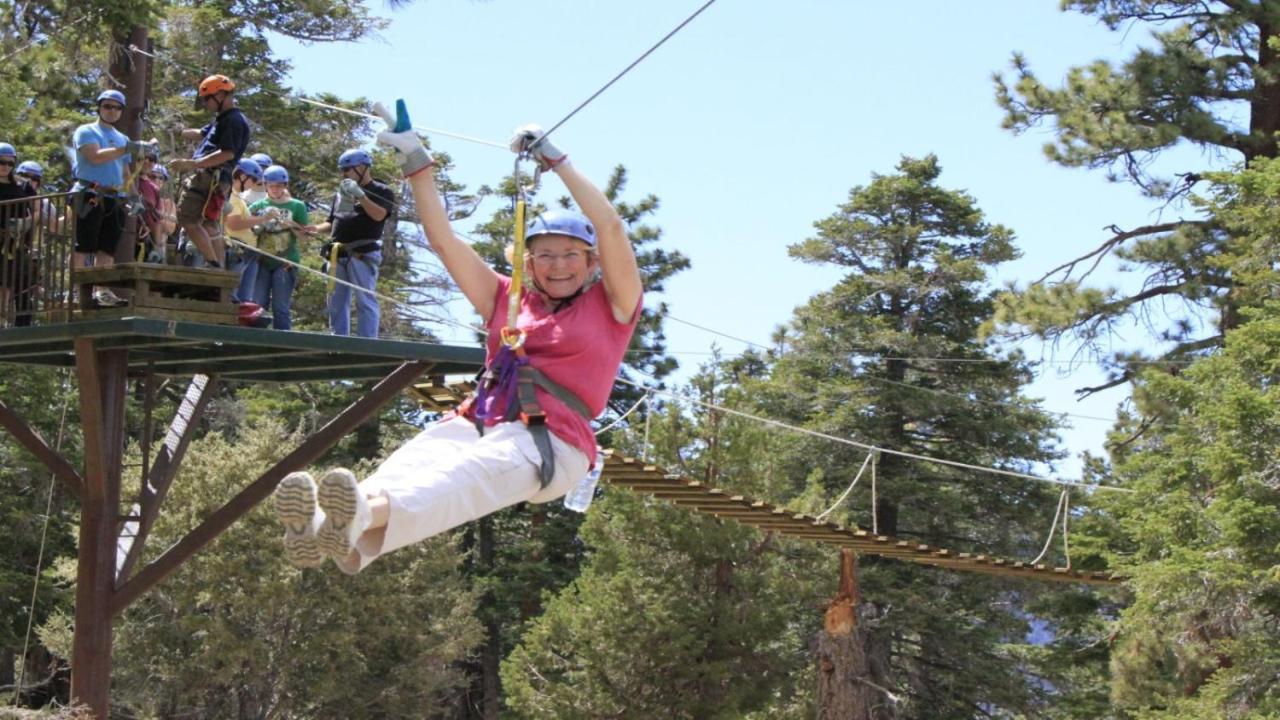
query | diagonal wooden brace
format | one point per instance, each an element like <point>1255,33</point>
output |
<point>31,440</point>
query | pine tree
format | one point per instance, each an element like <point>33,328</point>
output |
<point>891,356</point>
<point>1206,63</point>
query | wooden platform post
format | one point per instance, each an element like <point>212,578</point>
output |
<point>102,376</point>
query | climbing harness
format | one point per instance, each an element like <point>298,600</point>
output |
<point>509,377</point>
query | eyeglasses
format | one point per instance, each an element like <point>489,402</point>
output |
<point>111,106</point>
<point>8,163</point>
<point>573,257</point>
<point>25,176</point>
<point>156,176</point>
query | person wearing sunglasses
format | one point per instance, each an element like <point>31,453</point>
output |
<point>15,240</point>
<point>103,155</point>
<point>576,318</point>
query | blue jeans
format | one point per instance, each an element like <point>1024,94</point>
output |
<point>275,286</point>
<point>244,262</point>
<point>362,272</point>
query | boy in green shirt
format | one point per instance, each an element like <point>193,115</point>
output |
<point>279,236</point>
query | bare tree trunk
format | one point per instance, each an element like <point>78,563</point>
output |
<point>491,652</point>
<point>132,69</point>
<point>847,671</point>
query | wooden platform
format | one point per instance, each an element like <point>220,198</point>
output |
<point>651,480</point>
<point>163,291</point>
<point>175,348</point>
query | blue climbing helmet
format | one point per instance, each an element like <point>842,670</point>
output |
<point>562,222</point>
<point>354,157</point>
<point>275,174</point>
<point>252,169</point>
<point>7,150</point>
<point>32,168</point>
<point>162,171</point>
<point>115,95</point>
<point>263,160</point>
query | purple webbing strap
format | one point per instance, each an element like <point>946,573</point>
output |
<point>500,382</point>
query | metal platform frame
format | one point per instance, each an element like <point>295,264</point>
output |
<point>105,354</point>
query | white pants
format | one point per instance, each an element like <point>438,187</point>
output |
<point>449,475</point>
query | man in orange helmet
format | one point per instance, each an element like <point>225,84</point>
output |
<point>220,144</point>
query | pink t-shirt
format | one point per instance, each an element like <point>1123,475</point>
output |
<point>580,348</point>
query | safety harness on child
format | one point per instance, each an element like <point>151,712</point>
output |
<point>509,382</point>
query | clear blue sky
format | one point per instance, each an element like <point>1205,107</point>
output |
<point>754,122</point>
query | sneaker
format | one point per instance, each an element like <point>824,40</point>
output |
<point>295,504</point>
<point>346,513</point>
<point>106,298</point>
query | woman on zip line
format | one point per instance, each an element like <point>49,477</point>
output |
<point>525,435</point>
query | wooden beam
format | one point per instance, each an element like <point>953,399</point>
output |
<point>309,451</point>
<point>102,376</point>
<point>28,438</point>
<point>181,431</point>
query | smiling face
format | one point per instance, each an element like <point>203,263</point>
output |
<point>560,264</point>
<point>277,191</point>
<point>6,168</point>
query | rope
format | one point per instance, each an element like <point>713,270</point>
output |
<point>898,453</point>
<point>418,312</point>
<point>44,534</point>
<point>937,359</point>
<point>847,490</point>
<point>625,70</point>
<point>648,421</point>
<point>624,415</point>
<point>1062,499</point>
<point>875,506</point>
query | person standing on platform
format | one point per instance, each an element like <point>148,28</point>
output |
<point>240,224</point>
<point>278,235</point>
<point>356,220</point>
<point>102,155</point>
<point>220,145</point>
<point>253,188</point>
<point>15,239</point>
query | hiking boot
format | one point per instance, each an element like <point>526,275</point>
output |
<point>346,513</point>
<point>295,504</point>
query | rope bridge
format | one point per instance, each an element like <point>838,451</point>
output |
<point>636,476</point>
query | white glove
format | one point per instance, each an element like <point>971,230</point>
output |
<point>350,189</point>
<point>411,154</point>
<point>140,147</point>
<point>528,138</point>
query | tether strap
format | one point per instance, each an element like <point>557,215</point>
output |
<point>530,412</point>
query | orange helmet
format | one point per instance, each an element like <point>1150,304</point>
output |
<point>215,84</point>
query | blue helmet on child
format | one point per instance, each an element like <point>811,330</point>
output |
<point>7,150</point>
<point>250,168</point>
<point>562,222</point>
<point>115,95</point>
<point>352,158</point>
<point>264,160</point>
<point>275,174</point>
<point>32,168</point>
<point>162,171</point>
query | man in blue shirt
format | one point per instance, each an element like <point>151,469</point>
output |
<point>220,146</point>
<point>102,154</point>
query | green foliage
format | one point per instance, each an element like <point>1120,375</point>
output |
<point>672,609</point>
<point>1208,78</point>
<point>860,361</point>
<point>239,632</point>
<point>1200,536</point>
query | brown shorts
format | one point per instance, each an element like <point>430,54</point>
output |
<point>195,201</point>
